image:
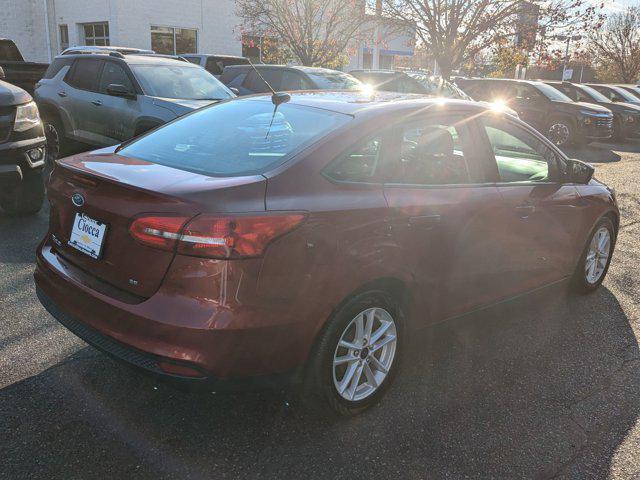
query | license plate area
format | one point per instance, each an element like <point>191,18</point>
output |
<point>87,235</point>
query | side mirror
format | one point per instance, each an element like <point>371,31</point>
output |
<point>234,90</point>
<point>2,75</point>
<point>117,90</point>
<point>578,172</point>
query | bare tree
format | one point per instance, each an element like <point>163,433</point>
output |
<point>457,30</point>
<point>616,47</point>
<point>316,32</point>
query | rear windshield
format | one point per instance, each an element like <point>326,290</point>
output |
<point>334,80</point>
<point>185,82</point>
<point>240,137</point>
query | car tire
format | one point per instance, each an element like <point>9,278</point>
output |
<point>593,265</point>
<point>561,132</point>
<point>58,145</point>
<point>26,198</point>
<point>363,379</point>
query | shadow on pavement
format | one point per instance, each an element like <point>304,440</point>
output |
<point>602,152</point>
<point>542,386</point>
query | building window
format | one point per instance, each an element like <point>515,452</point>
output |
<point>174,41</point>
<point>64,37</point>
<point>96,33</point>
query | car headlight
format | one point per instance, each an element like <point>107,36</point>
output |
<point>27,117</point>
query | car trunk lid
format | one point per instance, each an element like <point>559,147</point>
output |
<point>115,190</point>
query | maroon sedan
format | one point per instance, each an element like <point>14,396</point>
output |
<point>245,240</point>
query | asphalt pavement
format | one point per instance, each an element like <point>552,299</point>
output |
<point>547,386</point>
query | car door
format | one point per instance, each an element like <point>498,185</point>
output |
<point>539,211</point>
<point>117,114</point>
<point>82,85</point>
<point>531,105</point>
<point>444,215</point>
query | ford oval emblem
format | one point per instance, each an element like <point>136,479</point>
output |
<point>77,199</point>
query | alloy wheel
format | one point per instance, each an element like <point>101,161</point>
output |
<point>559,133</point>
<point>365,354</point>
<point>597,255</point>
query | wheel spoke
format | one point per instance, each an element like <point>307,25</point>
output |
<point>348,376</point>
<point>382,343</point>
<point>359,329</point>
<point>379,332</point>
<point>589,263</point>
<point>349,345</point>
<point>371,378</point>
<point>377,364</point>
<point>344,359</point>
<point>356,381</point>
<point>371,315</point>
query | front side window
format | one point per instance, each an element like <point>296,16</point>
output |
<point>96,33</point>
<point>519,155</point>
<point>174,41</point>
<point>179,80</point>
<point>242,137</point>
<point>112,73</point>
<point>431,152</point>
<point>256,84</point>
<point>84,74</point>
<point>359,164</point>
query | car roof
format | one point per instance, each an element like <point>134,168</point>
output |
<point>352,102</point>
<point>212,55</point>
<point>134,59</point>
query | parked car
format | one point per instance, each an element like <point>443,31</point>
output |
<point>286,78</point>
<point>615,93</point>
<point>626,116</point>
<point>261,236</point>
<point>22,152</point>
<point>409,82</point>
<point>104,99</point>
<point>633,89</point>
<point>215,64</point>
<point>16,70</point>
<point>561,119</point>
<point>415,82</point>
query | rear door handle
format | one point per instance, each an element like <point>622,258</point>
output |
<point>97,103</point>
<point>525,210</point>
<point>424,221</point>
<point>62,93</point>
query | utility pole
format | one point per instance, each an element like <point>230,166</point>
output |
<point>375,52</point>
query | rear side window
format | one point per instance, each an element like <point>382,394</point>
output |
<point>254,83</point>
<point>214,66</point>
<point>112,73</point>
<point>57,65</point>
<point>84,74</point>
<point>359,164</point>
<point>241,137</point>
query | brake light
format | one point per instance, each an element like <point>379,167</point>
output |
<point>234,237</point>
<point>157,231</point>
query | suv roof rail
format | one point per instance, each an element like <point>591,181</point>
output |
<point>116,54</point>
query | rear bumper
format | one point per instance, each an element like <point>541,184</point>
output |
<point>222,341</point>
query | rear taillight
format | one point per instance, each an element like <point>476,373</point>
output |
<point>234,237</point>
<point>157,231</point>
<point>214,236</point>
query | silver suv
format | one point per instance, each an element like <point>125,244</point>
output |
<point>104,98</point>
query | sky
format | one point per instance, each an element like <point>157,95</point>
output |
<point>616,5</point>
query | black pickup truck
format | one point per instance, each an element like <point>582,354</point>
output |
<point>22,152</point>
<point>16,70</point>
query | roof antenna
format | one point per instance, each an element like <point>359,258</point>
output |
<point>276,98</point>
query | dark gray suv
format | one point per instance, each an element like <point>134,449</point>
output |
<point>102,99</point>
